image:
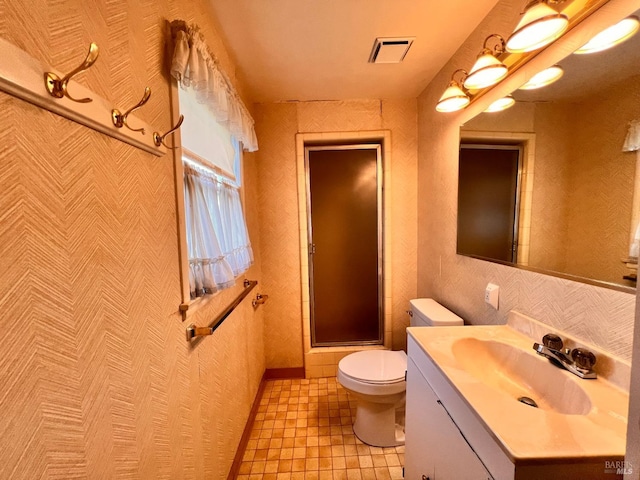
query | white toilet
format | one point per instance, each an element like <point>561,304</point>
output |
<point>376,378</point>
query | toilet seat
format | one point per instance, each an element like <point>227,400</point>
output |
<point>374,367</point>
<point>376,378</point>
<point>369,382</point>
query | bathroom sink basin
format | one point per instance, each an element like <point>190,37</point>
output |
<point>487,368</point>
<point>517,373</point>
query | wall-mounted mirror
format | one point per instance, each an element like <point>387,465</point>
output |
<point>566,203</point>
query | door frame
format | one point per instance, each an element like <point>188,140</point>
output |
<point>380,237</point>
<point>520,167</point>
<point>323,361</point>
<point>528,142</point>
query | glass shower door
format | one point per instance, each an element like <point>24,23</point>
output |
<point>345,251</point>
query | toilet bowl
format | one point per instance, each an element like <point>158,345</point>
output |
<point>376,378</point>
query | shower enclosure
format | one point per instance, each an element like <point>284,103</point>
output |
<point>344,195</point>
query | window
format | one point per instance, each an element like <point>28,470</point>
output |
<point>214,244</point>
<point>218,246</point>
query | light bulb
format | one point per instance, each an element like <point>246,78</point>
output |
<point>501,104</point>
<point>543,78</point>
<point>453,99</point>
<point>612,36</point>
<point>539,26</point>
<point>487,71</point>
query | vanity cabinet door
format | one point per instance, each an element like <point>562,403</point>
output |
<point>419,452</point>
<point>435,448</point>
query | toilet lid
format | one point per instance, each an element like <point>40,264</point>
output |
<point>375,366</point>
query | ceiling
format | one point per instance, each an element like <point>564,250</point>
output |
<point>319,49</point>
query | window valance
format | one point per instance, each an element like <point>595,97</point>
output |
<point>194,66</point>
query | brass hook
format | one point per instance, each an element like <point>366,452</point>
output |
<point>159,139</point>
<point>57,86</point>
<point>120,119</point>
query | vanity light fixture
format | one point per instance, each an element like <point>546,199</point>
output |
<point>487,70</point>
<point>501,104</point>
<point>539,26</point>
<point>612,36</point>
<point>454,97</point>
<point>544,78</point>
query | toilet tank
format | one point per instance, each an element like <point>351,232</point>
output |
<point>429,313</point>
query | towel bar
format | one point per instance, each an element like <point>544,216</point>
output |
<point>193,331</point>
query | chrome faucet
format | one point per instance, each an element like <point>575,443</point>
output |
<point>578,361</point>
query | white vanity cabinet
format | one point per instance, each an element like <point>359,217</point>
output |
<point>444,438</point>
<point>435,447</point>
<point>458,426</point>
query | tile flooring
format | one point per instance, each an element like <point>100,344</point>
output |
<point>303,431</point>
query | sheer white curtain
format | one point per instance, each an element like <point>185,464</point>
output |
<point>194,66</point>
<point>217,239</point>
<point>235,239</point>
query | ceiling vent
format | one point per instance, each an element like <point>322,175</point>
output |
<point>390,50</point>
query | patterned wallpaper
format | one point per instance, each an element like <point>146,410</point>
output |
<point>276,126</point>
<point>596,315</point>
<point>602,182</point>
<point>549,212</point>
<point>97,378</point>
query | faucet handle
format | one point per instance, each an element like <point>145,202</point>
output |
<point>583,358</point>
<point>552,341</point>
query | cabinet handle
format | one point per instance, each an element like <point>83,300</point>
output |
<point>424,477</point>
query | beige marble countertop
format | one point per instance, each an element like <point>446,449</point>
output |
<point>526,434</point>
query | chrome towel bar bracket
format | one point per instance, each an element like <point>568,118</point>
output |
<point>259,300</point>
<point>193,331</point>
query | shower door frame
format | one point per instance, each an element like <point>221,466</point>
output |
<point>380,239</point>
<point>520,162</point>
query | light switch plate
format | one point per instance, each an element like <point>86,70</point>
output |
<point>492,294</point>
